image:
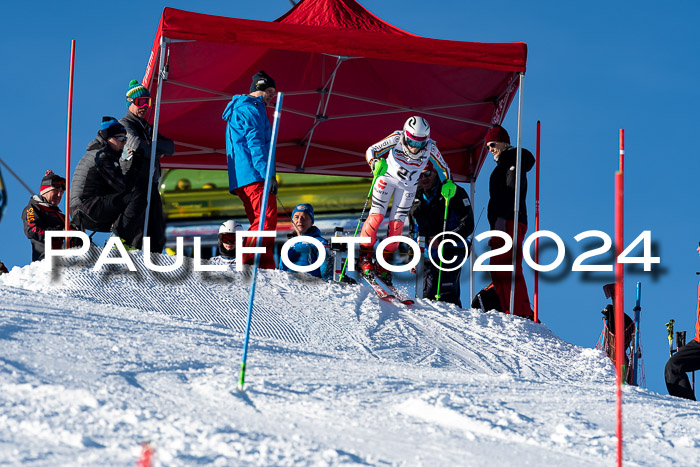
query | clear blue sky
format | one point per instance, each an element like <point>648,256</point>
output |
<point>591,71</point>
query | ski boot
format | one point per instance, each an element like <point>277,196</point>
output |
<point>365,264</point>
<point>127,247</point>
<point>383,273</point>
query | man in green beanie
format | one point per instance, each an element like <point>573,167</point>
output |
<point>136,158</point>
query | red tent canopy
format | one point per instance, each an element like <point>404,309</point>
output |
<point>349,79</point>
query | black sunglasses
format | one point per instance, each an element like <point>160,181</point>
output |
<point>427,173</point>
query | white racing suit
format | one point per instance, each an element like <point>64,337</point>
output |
<point>400,180</point>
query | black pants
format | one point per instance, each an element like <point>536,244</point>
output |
<point>685,360</point>
<point>449,281</point>
<point>123,214</point>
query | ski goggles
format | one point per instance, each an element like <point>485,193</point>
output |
<point>228,238</point>
<point>140,102</point>
<point>418,142</point>
<point>426,174</point>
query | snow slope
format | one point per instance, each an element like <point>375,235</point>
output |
<point>94,363</point>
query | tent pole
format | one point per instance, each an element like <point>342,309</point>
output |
<point>472,192</point>
<point>162,75</point>
<point>518,171</point>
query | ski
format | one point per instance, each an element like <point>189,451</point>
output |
<point>381,292</point>
<point>396,293</point>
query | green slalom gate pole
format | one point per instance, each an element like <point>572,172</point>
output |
<point>378,173</point>
<point>261,227</point>
<point>448,196</point>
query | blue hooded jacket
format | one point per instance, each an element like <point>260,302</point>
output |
<point>304,254</point>
<point>248,135</point>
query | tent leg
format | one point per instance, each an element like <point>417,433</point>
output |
<point>162,76</point>
<point>518,171</point>
<point>472,192</point>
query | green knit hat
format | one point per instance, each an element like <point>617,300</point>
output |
<point>136,89</point>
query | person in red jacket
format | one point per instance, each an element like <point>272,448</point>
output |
<point>686,359</point>
<point>42,213</point>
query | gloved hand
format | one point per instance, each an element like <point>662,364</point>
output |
<point>448,189</point>
<point>273,186</point>
<point>379,167</point>
<point>125,161</point>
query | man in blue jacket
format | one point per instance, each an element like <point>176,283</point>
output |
<point>303,253</point>
<point>248,136</point>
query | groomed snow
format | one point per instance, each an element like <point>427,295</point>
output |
<point>92,364</point>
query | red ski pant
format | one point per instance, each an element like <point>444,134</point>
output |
<point>252,197</point>
<point>501,279</point>
<point>370,227</point>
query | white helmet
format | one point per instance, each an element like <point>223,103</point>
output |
<point>416,132</point>
<point>230,227</point>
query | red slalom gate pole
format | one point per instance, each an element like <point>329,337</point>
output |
<point>66,196</point>
<point>619,290</point>
<point>536,297</point>
<point>146,458</point>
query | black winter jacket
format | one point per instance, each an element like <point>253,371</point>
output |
<point>97,174</point>
<point>502,186</point>
<point>38,217</point>
<point>428,211</point>
<point>140,133</point>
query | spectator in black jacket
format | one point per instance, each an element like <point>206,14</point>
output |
<point>99,197</point>
<point>685,360</point>
<point>427,214</point>
<point>501,215</point>
<point>42,214</point>
<point>135,161</point>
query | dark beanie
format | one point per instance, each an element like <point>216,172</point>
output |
<point>51,181</point>
<point>261,81</point>
<point>109,127</point>
<point>497,134</point>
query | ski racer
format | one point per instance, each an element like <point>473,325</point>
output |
<point>396,162</point>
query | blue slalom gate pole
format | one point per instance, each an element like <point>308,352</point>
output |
<point>261,227</point>
<point>637,318</point>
